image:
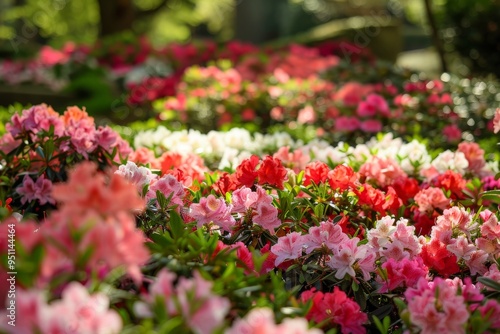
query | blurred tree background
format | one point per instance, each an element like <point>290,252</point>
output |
<point>466,31</point>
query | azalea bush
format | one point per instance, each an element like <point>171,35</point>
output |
<point>199,233</point>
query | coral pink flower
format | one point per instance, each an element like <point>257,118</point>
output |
<point>88,189</point>
<point>144,156</point>
<point>306,115</point>
<point>296,160</point>
<point>474,155</point>
<point>342,177</point>
<point>384,171</point>
<point>288,247</point>
<point>111,242</point>
<point>430,199</point>
<point>39,190</point>
<point>213,210</point>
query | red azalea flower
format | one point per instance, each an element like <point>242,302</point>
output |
<point>452,181</point>
<point>342,177</point>
<point>406,188</point>
<point>437,257</point>
<point>371,197</point>
<point>316,172</point>
<point>226,183</point>
<point>272,172</point>
<point>246,172</point>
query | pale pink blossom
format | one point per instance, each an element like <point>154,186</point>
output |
<point>347,254</point>
<point>327,235</point>
<point>139,176</point>
<point>381,234</point>
<point>257,321</point>
<point>306,115</point>
<point>203,310</point>
<point>490,228</point>
<point>288,247</point>
<point>79,312</point>
<point>296,161</point>
<point>436,307</point>
<point>213,210</point>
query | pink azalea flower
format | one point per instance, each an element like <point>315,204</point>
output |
<point>267,216</point>
<point>346,254</point>
<point>29,303</point>
<point>403,273</point>
<point>79,312</point>
<point>257,321</point>
<point>436,307</point>
<point>288,247</point>
<point>40,190</point>
<point>490,312</point>
<point>371,126</point>
<point>138,176</point>
<point>170,188</point>
<point>431,198</point>
<point>213,210</point>
<point>490,228</point>
<point>326,234</point>
<point>382,170</point>
<point>203,310</point>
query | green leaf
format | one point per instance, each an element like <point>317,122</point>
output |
<point>177,225</point>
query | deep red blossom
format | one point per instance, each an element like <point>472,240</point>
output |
<point>406,188</point>
<point>437,257</point>
<point>272,172</point>
<point>316,172</point>
<point>246,172</point>
<point>225,183</point>
<point>424,222</point>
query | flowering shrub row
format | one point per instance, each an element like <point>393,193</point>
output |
<point>384,236</point>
